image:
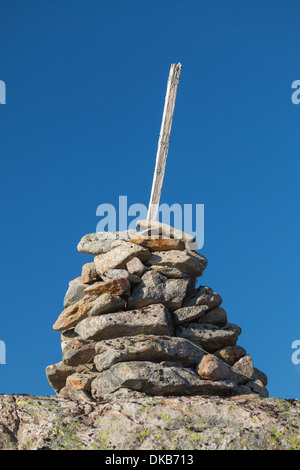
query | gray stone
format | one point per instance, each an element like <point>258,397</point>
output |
<point>123,273</point>
<point>256,386</point>
<point>89,273</point>
<point>75,292</point>
<point>78,351</point>
<point>107,303</point>
<point>78,395</point>
<point>57,375</point>
<point>159,228</point>
<point>209,337</point>
<point>81,380</point>
<point>170,272</point>
<point>243,370</point>
<point>100,242</point>
<point>73,314</point>
<point>203,295</point>
<point>154,319</point>
<point>188,314</point>
<point>155,379</point>
<point>156,288</point>
<point>188,262</point>
<point>119,256</point>
<point>258,374</point>
<point>133,424</point>
<point>217,316</point>
<point>136,267</point>
<point>146,348</point>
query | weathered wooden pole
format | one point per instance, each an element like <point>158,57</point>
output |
<point>163,141</point>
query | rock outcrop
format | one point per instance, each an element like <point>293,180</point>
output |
<point>134,323</point>
<point>149,423</point>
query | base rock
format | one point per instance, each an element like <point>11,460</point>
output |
<point>150,423</point>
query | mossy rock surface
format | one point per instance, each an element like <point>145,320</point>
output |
<point>158,423</point>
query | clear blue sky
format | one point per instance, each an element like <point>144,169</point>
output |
<point>85,90</point>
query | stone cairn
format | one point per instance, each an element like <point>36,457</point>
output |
<point>135,324</point>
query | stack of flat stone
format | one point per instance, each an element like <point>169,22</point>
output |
<point>134,323</point>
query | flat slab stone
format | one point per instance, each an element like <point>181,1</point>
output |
<point>78,351</point>
<point>146,348</point>
<point>100,242</point>
<point>172,273</point>
<point>120,255</point>
<point>117,286</point>
<point>188,262</point>
<point>74,313</point>
<point>156,288</point>
<point>159,244</point>
<point>164,230</point>
<point>209,337</point>
<point>81,380</point>
<point>189,314</point>
<point>155,379</point>
<point>123,273</point>
<point>217,317</point>
<point>57,375</point>
<point>106,303</point>
<point>154,319</point>
<point>203,295</point>
<point>75,291</point>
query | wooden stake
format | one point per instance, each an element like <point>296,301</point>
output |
<point>163,141</point>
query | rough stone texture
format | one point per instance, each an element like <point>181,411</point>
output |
<point>120,255</point>
<point>106,303</point>
<point>89,273</point>
<point>245,366</point>
<point>57,375</point>
<point>100,242</point>
<point>146,348</point>
<point>150,423</point>
<point>212,368</point>
<point>117,286</point>
<point>154,319</point>
<point>135,313</point>
<point>188,262</point>
<point>155,379</point>
<point>203,296</point>
<point>164,230</point>
<point>231,354</point>
<point>217,317</point>
<point>117,273</point>
<point>75,291</point>
<point>188,314</point>
<point>258,374</point>
<point>78,351</point>
<point>78,395</point>
<point>156,288</point>
<point>209,337</point>
<point>159,244</point>
<point>136,267</point>
<point>81,380</point>
<point>172,273</point>
<point>74,313</point>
